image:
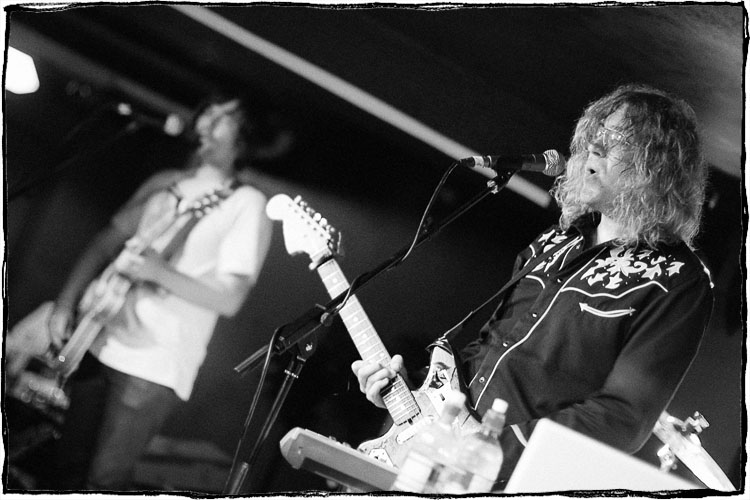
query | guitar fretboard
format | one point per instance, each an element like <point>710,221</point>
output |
<point>399,400</point>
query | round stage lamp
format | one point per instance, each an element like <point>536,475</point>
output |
<point>20,74</point>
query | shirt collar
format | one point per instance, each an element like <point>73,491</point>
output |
<point>586,223</point>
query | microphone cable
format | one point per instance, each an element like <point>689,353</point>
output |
<point>328,316</point>
<point>426,212</point>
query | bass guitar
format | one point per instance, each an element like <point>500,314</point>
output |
<point>306,231</point>
<point>105,295</point>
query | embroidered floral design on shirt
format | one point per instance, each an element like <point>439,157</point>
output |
<point>549,240</point>
<point>624,266</point>
<point>617,313</point>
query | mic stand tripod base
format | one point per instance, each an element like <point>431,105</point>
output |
<point>238,475</point>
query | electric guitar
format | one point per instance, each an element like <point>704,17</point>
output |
<point>307,231</point>
<point>105,295</point>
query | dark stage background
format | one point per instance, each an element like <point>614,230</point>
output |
<point>504,79</point>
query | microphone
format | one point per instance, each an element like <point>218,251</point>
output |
<point>549,163</point>
<point>171,125</point>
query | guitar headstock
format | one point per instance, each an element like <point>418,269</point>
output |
<point>208,202</point>
<point>305,230</point>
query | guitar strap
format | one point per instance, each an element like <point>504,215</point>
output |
<point>532,264</point>
<point>179,238</point>
<point>181,235</point>
<point>445,341</point>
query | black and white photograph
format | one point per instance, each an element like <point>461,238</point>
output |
<point>340,249</point>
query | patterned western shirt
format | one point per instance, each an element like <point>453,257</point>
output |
<point>597,339</point>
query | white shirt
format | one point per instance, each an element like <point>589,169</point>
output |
<point>163,338</point>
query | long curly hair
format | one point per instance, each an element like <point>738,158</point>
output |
<point>661,194</point>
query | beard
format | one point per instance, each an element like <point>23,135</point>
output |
<point>596,196</point>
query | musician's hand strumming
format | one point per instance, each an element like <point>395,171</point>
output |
<point>146,266</point>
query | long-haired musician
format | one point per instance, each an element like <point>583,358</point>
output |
<point>600,331</point>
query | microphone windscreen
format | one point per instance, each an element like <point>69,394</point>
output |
<point>555,163</point>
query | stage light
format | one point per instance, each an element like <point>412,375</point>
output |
<point>20,74</point>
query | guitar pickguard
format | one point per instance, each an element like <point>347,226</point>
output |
<point>442,378</point>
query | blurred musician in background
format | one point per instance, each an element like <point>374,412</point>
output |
<point>146,358</point>
<point>599,332</point>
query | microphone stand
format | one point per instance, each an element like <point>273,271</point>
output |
<point>301,329</point>
<point>16,191</point>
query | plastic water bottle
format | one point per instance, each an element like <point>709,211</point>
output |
<point>479,455</point>
<point>431,450</point>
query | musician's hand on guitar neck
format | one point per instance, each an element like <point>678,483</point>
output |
<point>373,377</point>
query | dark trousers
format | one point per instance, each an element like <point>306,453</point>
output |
<point>111,420</point>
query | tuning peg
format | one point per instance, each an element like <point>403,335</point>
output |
<point>695,424</point>
<point>667,458</point>
<point>336,243</point>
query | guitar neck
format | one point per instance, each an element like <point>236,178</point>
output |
<point>398,398</point>
<point>357,323</point>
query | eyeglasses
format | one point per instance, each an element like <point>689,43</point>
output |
<point>609,138</point>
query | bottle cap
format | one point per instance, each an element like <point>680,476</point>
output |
<point>494,418</point>
<point>500,405</point>
<point>454,402</point>
<point>455,398</point>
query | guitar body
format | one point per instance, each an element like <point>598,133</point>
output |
<point>443,377</point>
<point>103,298</point>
